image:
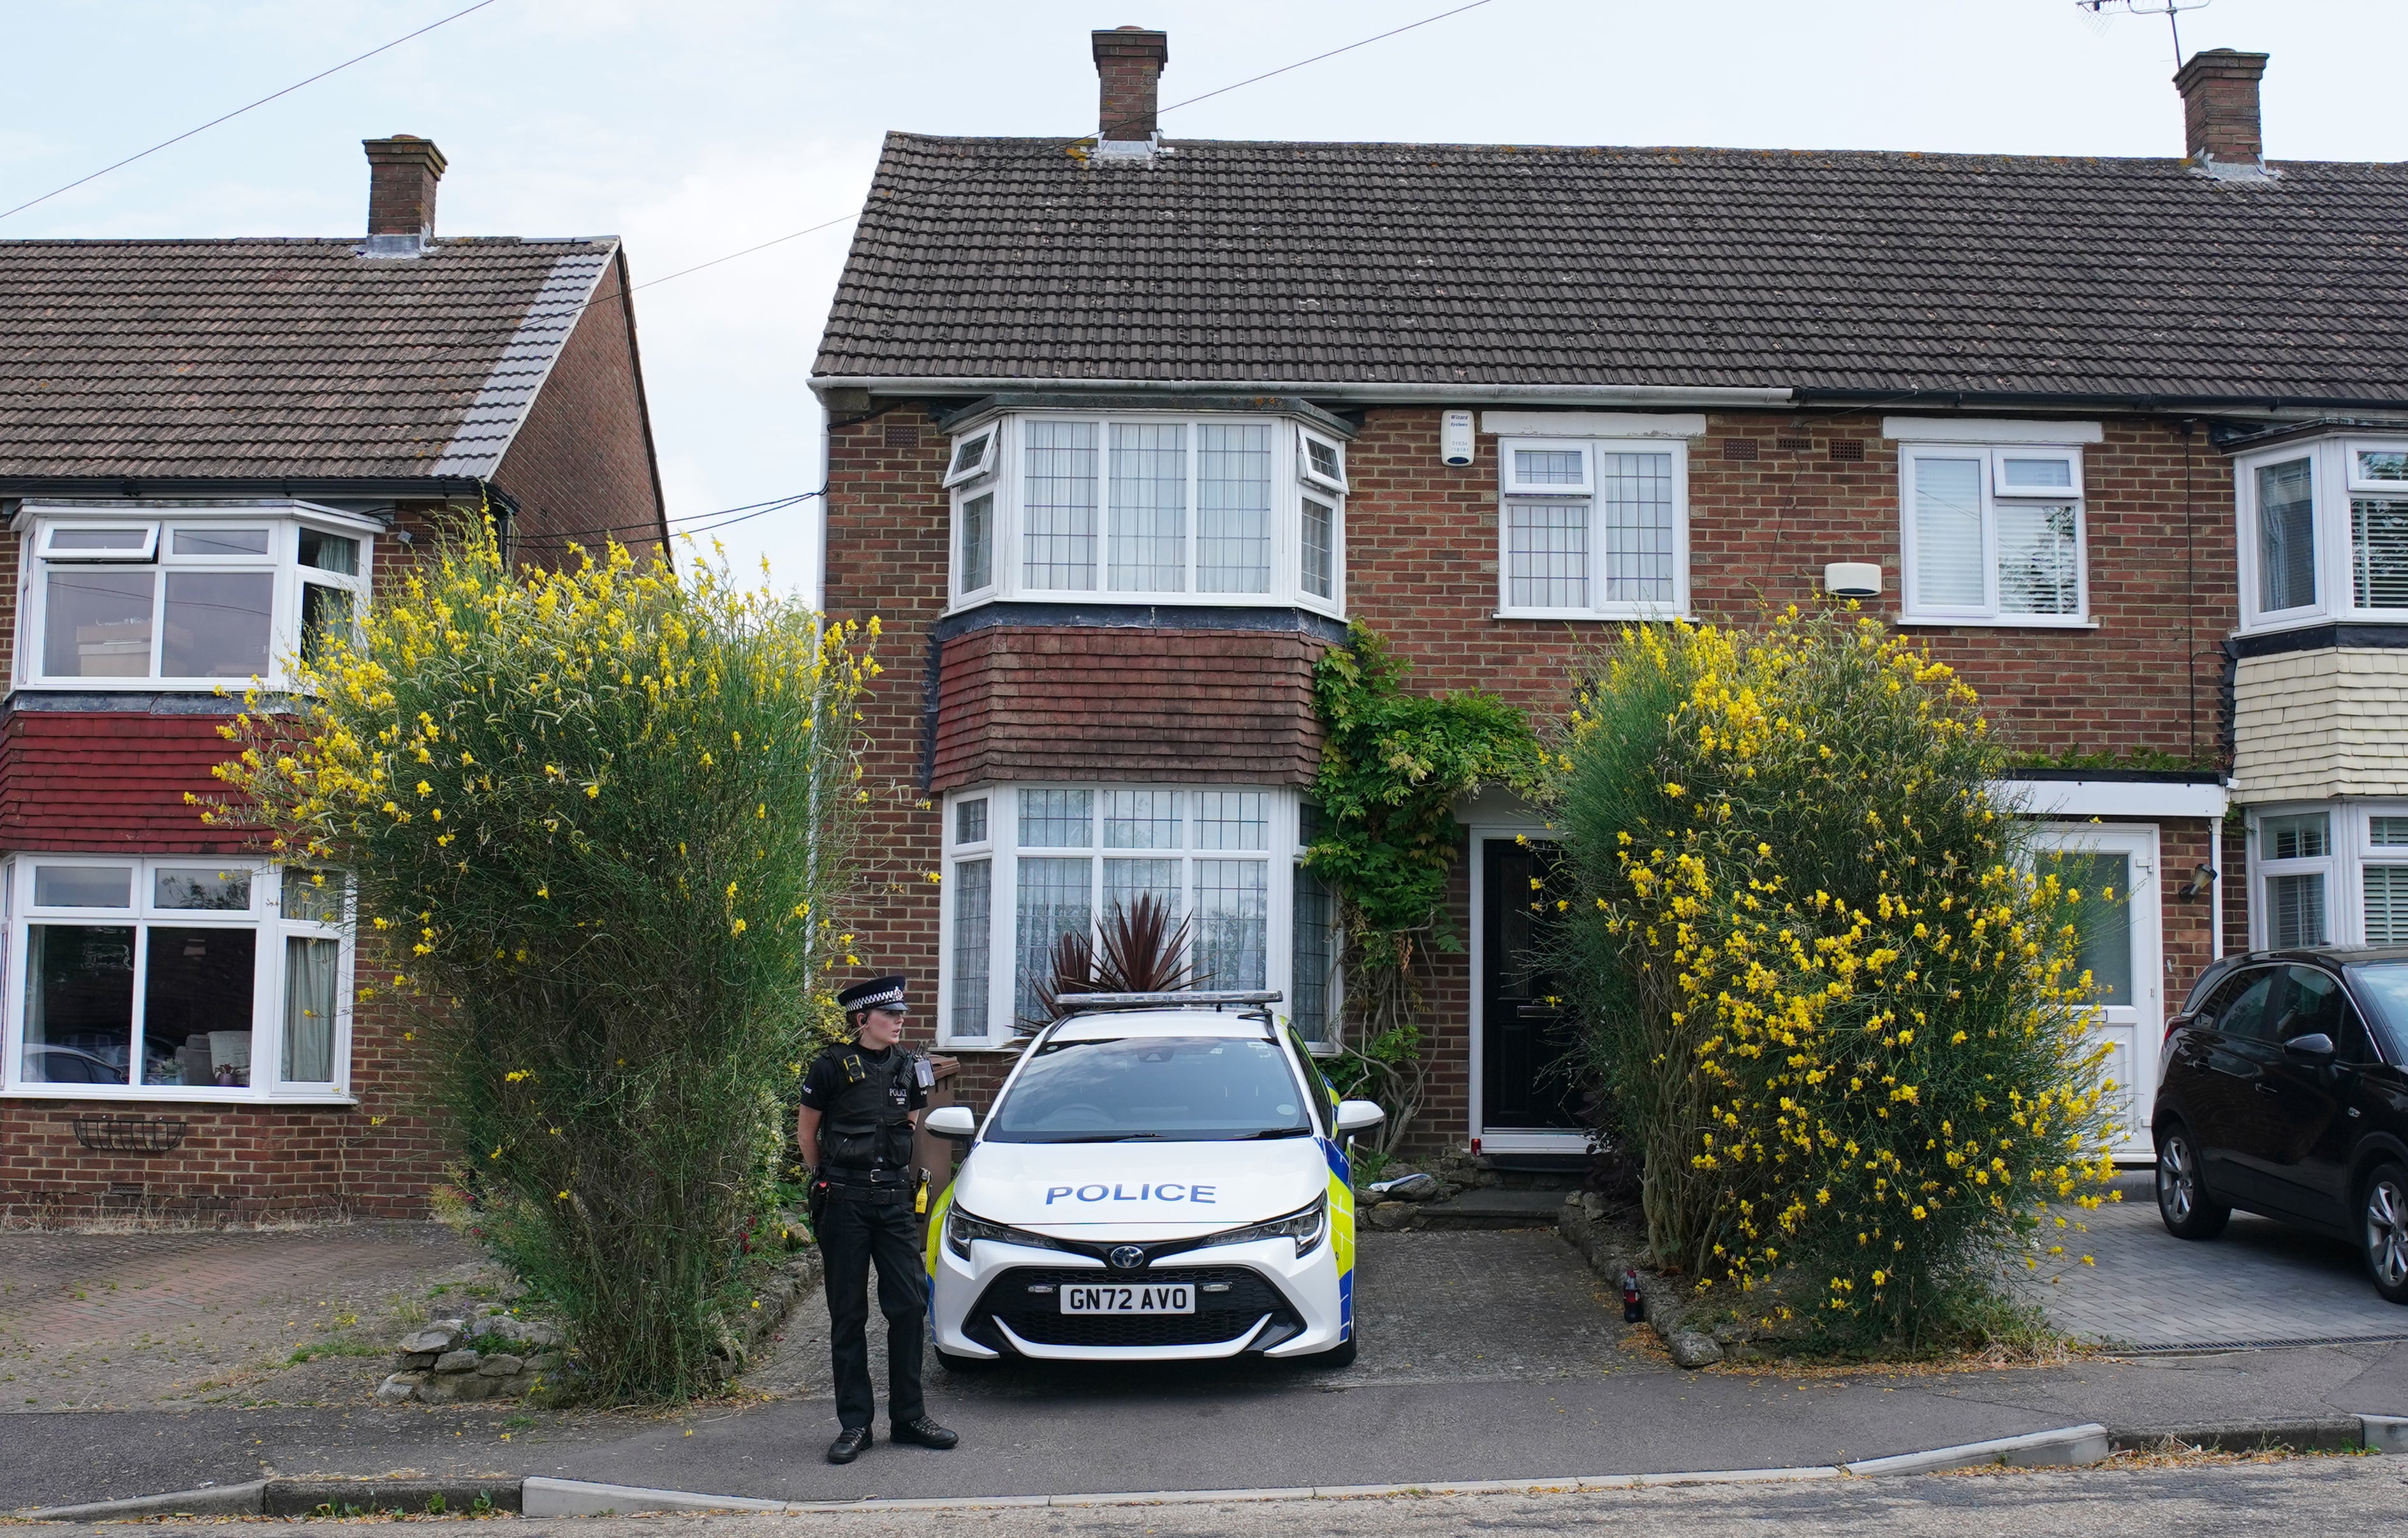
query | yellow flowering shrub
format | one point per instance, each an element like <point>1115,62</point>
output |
<point>1831,986</point>
<point>596,819</point>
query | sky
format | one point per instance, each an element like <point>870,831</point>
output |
<point>698,128</point>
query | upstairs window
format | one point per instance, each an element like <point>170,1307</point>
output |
<point>1593,529</point>
<point>1993,533</point>
<point>1182,510</point>
<point>2324,533</point>
<point>185,599</point>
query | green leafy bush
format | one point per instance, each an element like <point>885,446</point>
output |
<point>1393,764</point>
<point>1832,989</point>
<point>596,819</point>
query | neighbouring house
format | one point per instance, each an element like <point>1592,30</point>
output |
<point>209,452</point>
<point>1122,432</point>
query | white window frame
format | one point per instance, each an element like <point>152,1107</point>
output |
<point>2349,850</point>
<point>1001,473</point>
<point>284,519</point>
<point>963,464</point>
<point>1994,456</point>
<point>1001,848</point>
<point>2333,486</point>
<point>1509,488</point>
<point>264,917</point>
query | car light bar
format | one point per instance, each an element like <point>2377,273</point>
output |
<point>1140,1000</point>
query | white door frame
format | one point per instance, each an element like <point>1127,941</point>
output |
<point>1504,817</point>
<point>2137,1027</point>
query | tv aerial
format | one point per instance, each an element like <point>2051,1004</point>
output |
<point>2170,9</point>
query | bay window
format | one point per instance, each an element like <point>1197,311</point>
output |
<point>173,977</point>
<point>1027,864</point>
<point>1592,528</point>
<point>1145,508</point>
<point>123,597</point>
<point>2324,533</point>
<point>1993,535</point>
<point>2335,873</point>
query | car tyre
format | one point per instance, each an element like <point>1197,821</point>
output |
<point>2183,1200</point>
<point>952,1363</point>
<point>2383,1230</point>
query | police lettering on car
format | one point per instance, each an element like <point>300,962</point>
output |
<point>1162,1175</point>
<point>854,1129</point>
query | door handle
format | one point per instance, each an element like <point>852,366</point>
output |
<point>2264,1088</point>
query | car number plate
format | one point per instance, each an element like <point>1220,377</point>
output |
<point>1177,1297</point>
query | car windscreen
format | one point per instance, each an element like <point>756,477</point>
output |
<point>2381,986</point>
<point>1146,1088</point>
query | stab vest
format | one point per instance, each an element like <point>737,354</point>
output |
<point>868,1125</point>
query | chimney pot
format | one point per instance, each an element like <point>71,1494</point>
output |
<point>2220,124</point>
<point>402,174</point>
<point>1129,62</point>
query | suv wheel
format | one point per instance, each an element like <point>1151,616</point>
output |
<point>2182,1200</point>
<point>2383,1233</point>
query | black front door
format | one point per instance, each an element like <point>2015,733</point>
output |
<point>1525,1031</point>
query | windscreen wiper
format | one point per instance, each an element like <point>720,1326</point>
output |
<point>1110,1136</point>
<point>1274,1132</point>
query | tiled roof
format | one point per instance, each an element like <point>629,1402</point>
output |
<point>1404,264</point>
<point>158,359</point>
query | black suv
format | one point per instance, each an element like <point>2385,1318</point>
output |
<point>2281,1090</point>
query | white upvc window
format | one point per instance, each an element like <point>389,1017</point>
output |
<point>1027,864</point>
<point>127,595</point>
<point>2323,532</point>
<point>1592,528</point>
<point>2328,873</point>
<point>184,977</point>
<point>1159,508</point>
<point>1992,534</point>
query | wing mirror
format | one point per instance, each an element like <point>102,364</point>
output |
<point>956,1122</point>
<point>1358,1116</point>
<point>2316,1047</point>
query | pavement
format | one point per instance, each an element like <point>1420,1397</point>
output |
<point>1487,1355</point>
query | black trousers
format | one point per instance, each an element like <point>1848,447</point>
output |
<point>852,1236</point>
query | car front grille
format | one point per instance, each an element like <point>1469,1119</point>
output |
<point>1037,1317</point>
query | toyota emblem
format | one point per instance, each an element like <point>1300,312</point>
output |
<point>1127,1257</point>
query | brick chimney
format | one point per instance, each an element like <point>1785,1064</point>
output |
<point>402,174</point>
<point>1130,60</point>
<point>2220,92</point>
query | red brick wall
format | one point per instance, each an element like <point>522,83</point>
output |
<point>1037,704</point>
<point>1422,566</point>
<point>582,466</point>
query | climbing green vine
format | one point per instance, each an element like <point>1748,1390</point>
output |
<point>1393,764</point>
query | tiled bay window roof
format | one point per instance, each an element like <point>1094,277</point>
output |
<point>258,358</point>
<point>1276,264</point>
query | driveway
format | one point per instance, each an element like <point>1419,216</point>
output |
<point>2259,1283</point>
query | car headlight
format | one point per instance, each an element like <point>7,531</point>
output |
<point>1308,1226</point>
<point>961,1228</point>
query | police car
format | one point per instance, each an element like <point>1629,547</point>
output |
<point>1159,1179</point>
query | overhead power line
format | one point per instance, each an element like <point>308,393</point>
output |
<point>240,110</point>
<point>1218,91</point>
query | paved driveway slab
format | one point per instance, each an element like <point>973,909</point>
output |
<point>2260,1283</point>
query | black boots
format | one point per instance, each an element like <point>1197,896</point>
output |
<point>926,1432</point>
<point>849,1443</point>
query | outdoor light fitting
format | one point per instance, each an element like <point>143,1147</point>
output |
<point>1851,580</point>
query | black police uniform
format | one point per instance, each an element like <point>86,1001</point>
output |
<point>865,1100</point>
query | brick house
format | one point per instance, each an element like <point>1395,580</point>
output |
<point>1123,432</point>
<point>210,450</point>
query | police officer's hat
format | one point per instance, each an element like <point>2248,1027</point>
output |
<point>878,993</point>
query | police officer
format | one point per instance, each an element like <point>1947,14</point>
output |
<point>859,1105</point>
